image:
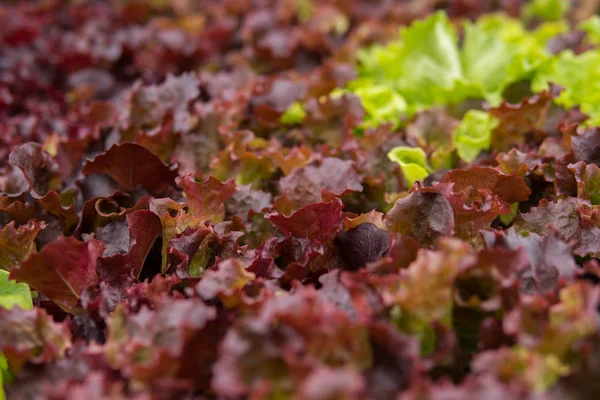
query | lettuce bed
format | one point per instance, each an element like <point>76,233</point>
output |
<point>299,199</point>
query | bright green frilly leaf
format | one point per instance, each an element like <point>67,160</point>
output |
<point>579,75</point>
<point>474,134</point>
<point>429,61</point>
<point>382,104</point>
<point>412,161</point>
<point>426,66</point>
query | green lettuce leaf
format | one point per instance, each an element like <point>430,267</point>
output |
<point>580,77</point>
<point>486,61</point>
<point>549,10</point>
<point>592,27</point>
<point>13,293</point>
<point>426,66</point>
<point>382,104</point>
<point>430,62</point>
<point>293,115</point>
<point>528,48</point>
<point>473,134</point>
<point>412,161</point>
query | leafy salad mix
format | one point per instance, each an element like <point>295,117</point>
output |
<point>299,199</point>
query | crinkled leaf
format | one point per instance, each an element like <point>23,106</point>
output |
<point>247,200</point>
<point>40,170</point>
<point>538,371</point>
<point>479,195</point>
<point>325,336</point>
<point>295,157</point>
<point>372,217</point>
<point>509,188</point>
<point>153,344</point>
<point>588,181</point>
<point>382,104</point>
<point>206,200</point>
<point>225,282</point>
<point>549,257</point>
<point>429,50</point>
<point>304,185</point>
<point>518,163</point>
<point>517,120</point>
<point>17,243</point>
<point>486,59</point>
<point>189,251</point>
<point>432,130</point>
<point>560,214</point>
<point>423,293</point>
<point>428,67</point>
<point>474,211</point>
<point>317,221</point>
<point>474,134</point>
<point>174,221</point>
<point>255,168</point>
<point>578,76</point>
<point>31,335</point>
<point>586,145</point>
<point>423,215</point>
<point>148,105</point>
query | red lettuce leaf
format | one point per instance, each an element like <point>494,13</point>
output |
<point>206,200</point>
<point>317,221</point>
<point>17,243</point>
<point>132,165</point>
<point>518,120</point>
<point>304,185</point>
<point>127,243</point>
<point>40,170</point>
<point>61,270</point>
<point>509,188</point>
<point>423,215</point>
<point>31,336</point>
<point>362,244</point>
